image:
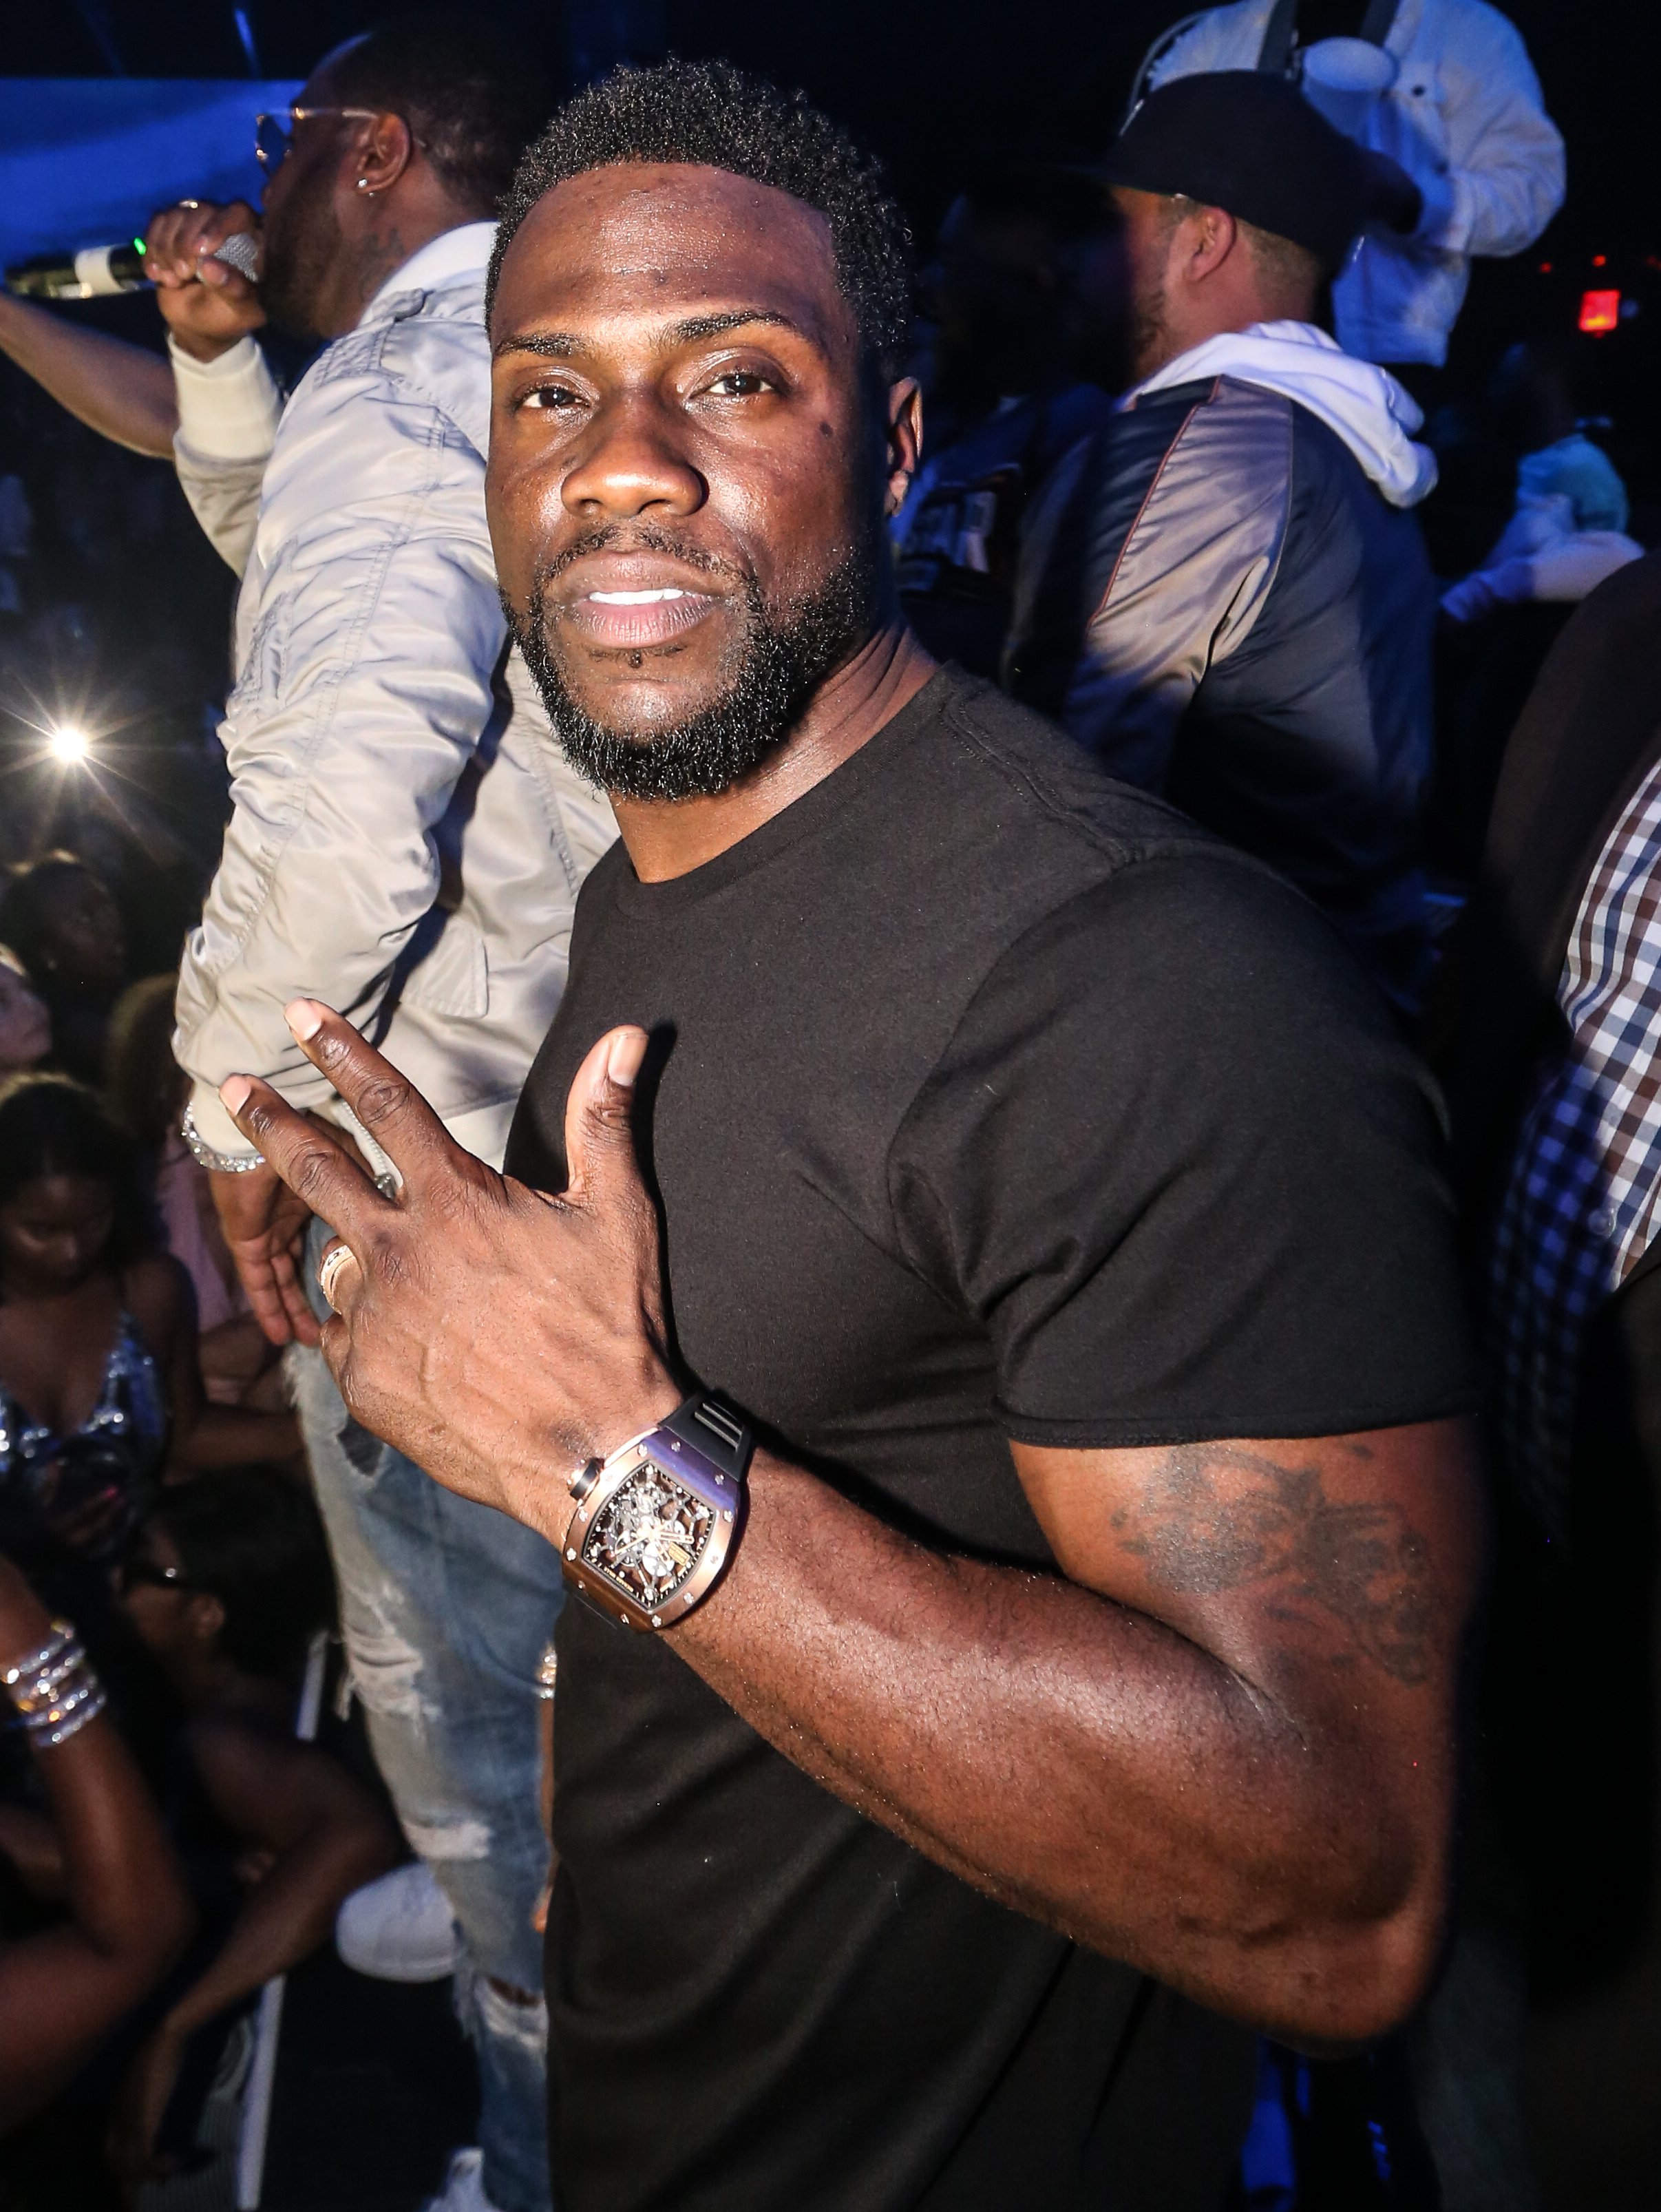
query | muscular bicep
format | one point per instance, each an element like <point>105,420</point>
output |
<point>1330,1573</point>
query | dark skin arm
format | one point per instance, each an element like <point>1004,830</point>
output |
<point>61,1992</point>
<point>1219,1745</point>
<point>204,1435</point>
<point>323,1836</point>
<point>125,392</point>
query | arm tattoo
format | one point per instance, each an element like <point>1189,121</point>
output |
<point>1215,1517</point>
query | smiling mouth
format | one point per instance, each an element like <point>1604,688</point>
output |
<point>629,620</point>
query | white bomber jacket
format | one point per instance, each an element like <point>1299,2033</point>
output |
<point>1465,119</point>
<point>407,842</point>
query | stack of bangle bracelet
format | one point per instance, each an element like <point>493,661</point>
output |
<point>54,1690</point>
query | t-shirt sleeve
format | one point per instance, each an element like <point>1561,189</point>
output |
<point>1176,1161</point>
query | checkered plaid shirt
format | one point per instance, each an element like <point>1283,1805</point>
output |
<point>1585,1191</point>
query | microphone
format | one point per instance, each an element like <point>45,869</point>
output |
<point>98,271</point>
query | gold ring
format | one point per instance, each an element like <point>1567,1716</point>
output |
<point>330,1268</point>
<point>190,204</point>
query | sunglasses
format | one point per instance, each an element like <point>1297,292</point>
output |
<point>274,134</point>
<point>148,1574</point>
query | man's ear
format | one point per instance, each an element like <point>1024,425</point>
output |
<point>381,162</point>
<point>905,439</point>
<point>206,1617</point>
<point>1213,235</point>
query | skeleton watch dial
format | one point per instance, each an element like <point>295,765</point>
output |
<point>648,1536</point>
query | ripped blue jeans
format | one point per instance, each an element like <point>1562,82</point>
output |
<point>446,1607</point>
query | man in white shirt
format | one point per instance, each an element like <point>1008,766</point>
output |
<point>405,835</point>
<point>1458,106</point>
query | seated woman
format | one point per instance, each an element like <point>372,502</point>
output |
<point>100,1388</point>
<point>62,1991</point>
<point>228,1581</point>
<point>24,1024</point>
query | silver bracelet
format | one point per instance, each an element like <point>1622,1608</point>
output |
<point>39,1692</point>
<point>209,1157</point>
<point>61,1636</point>
<point>71,1720</point>
<point>55,1691</point>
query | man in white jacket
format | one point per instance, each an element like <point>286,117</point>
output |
<point>406,836</point>
<point>1461,112</point>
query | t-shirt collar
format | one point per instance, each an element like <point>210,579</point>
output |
<point>822,802</point>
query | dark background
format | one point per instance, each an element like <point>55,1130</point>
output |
<point>933,85</point>
<point>127,609</point>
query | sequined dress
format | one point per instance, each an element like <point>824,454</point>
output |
<point>87,1491</point>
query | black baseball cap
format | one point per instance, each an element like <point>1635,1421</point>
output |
<point>1248,141</point>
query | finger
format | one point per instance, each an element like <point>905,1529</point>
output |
<point>392,1110</point>
<point>162,233</point>
<point>291,1289</point>
<point>216,224</point>
<point>258,1279</point>
<point>316,1171</point>
<point>220,276</point>
<point>339,1276</point>
<point>599,1131</point>
<point>170,238</point>
<point>234,220</point>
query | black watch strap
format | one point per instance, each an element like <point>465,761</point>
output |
<point>714,1426</point>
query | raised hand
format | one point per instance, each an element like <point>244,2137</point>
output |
<point>496,1336</point>
<point>207,305</point>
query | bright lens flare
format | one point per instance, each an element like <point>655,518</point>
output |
<point>68,745</point>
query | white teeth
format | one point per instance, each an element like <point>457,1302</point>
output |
<point>636,598</point>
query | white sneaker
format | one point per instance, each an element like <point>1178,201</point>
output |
<point>399,1929</point>
<point>463,2186</point>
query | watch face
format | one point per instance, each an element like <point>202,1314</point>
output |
<point>648,1536</point>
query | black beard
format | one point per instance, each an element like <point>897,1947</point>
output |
<point>784,656</point>
<point>301,252</point>
<point>1146,341</point>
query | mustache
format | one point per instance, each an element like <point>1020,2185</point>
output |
<point>637,538</point>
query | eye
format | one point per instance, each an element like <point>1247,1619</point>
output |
<point>740,383</point>
<point>549,397</point>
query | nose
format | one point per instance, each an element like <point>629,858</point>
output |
<point>633,464</point>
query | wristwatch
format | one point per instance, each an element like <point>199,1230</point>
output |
<point>654,1523</point>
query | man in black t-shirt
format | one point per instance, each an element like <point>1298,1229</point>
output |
<point>1032,1176</point>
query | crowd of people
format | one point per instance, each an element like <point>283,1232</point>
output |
<point>857,909</point>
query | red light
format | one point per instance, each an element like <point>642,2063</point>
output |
<point>1599,311</point>
<point>1545,268</point>
<point>1599,260</point>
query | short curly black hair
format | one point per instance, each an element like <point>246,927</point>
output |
<point>467,92</point>
<point>721,117</point>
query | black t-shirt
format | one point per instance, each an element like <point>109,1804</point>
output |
<point>992,1100</point>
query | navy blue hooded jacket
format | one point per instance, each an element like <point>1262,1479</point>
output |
<point>1218,600</point>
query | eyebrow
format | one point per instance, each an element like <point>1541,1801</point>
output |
<point>561,345</point>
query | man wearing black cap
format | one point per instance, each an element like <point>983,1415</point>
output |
<point>1230,604</point>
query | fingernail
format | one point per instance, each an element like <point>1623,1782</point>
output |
<point>622,1062</point>
<point>304,1017</point>
<point>235,1092</point>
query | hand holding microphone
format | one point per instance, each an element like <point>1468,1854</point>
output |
<point>208,302</point>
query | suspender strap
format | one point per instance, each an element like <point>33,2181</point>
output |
<point>1378,19</point>
<point>1274,55</point>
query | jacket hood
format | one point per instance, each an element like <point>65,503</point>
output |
<point>1364,404</point>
